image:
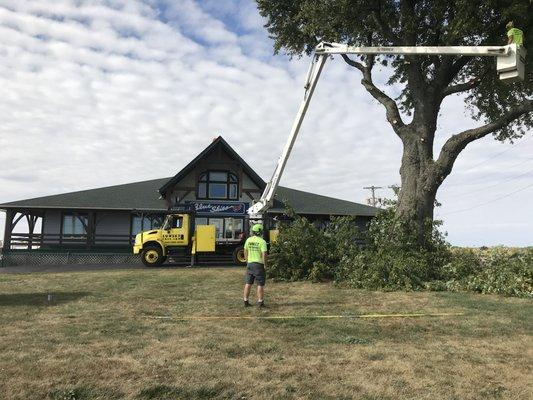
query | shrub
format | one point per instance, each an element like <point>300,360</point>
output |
<point>301,251</point>
<point>372,268</point>
<point>393,257</point>
<point>497,270</point>
<point>389,257</point>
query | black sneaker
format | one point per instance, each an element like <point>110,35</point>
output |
<point>247,303</point>
<point>261,304</point>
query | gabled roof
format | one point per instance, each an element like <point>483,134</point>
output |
<point>144,196</point>
<point>218,142</point>
<point>310,203</point>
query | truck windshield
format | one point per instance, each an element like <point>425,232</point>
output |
<point>168,222</point>
<point>173,221</point>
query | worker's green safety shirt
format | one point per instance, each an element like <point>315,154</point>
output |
<point>255,246</point>
<point>517,35</point>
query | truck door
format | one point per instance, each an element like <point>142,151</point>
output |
<point>176,231</point>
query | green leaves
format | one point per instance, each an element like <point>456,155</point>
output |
<point>297,26</point>
<point>498,270</point>
<point>301,251</point>
<point>391,259</point>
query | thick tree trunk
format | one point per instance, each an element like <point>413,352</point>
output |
<point>416,200</point>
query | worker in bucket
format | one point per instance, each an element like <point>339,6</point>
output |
<point>255,252</point>
<point>514,35</point>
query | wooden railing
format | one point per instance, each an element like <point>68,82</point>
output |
<point>47,240</point>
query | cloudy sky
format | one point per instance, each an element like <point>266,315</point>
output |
<point>98,93</point>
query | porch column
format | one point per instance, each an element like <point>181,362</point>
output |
<point>31,219</point>
<point>91,229</point>
<point>9,229</point>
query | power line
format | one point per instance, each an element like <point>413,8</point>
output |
<point>494,185</point>
<point>493,156</point>
<point>490,201</point>
<point>509,167</point>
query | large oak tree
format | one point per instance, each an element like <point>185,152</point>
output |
<point>503,110</point>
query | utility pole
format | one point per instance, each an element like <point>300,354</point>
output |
<point>373,201</point>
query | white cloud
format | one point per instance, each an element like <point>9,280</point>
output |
<point>98,93</point>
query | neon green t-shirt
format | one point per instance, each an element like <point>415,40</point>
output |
<point>255,246</point>
<point>517,35</point>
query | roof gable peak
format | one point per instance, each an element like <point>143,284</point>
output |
<point>217,142</point>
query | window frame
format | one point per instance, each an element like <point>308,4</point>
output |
<point>224,219</point>
<point>75,217</point>
<point>232,180</point>
<point>153,222</point>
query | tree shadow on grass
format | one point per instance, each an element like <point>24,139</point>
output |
<point>40,299</point>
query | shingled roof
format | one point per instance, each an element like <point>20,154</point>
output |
<point>146,195</point>
<point>137,195</point>
<point>310,203</point>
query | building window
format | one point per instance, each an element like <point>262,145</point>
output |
<point>201,221</point>
<point>218,185</point>
<point>145,223</point>
<point>227,229</point>
<point>233,228</point>
<point>74,224</point>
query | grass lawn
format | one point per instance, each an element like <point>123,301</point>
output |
<point>98,340</point>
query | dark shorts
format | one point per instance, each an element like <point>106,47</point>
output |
<point>255,272</point>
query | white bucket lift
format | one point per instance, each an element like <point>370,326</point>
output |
<point>511,67</point>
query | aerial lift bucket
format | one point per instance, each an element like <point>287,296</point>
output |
<point>511,67</point>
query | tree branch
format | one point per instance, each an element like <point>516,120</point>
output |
<point>461,87</point>
<point>451,69</point>
<point>458,142</point>
<point>353,63</point>
<point>385,28</point>
<point>393,114</point>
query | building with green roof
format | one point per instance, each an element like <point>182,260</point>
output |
<point>217,183</point>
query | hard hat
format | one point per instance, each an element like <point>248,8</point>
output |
<point>257,228</point>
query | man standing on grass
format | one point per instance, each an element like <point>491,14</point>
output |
<point>255,252</point>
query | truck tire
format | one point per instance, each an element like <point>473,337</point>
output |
<point>238,256</point>
<point>152,256</point>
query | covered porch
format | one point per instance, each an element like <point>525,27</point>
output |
<point>75,229</point>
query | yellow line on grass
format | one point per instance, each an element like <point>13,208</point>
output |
<point>366,316</point>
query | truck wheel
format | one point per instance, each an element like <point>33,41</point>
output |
<point>152,256</point>
<point>238,256</point>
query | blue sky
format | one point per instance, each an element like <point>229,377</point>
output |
<point>97,93</point>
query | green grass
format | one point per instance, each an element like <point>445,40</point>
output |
<point>97,339</point>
